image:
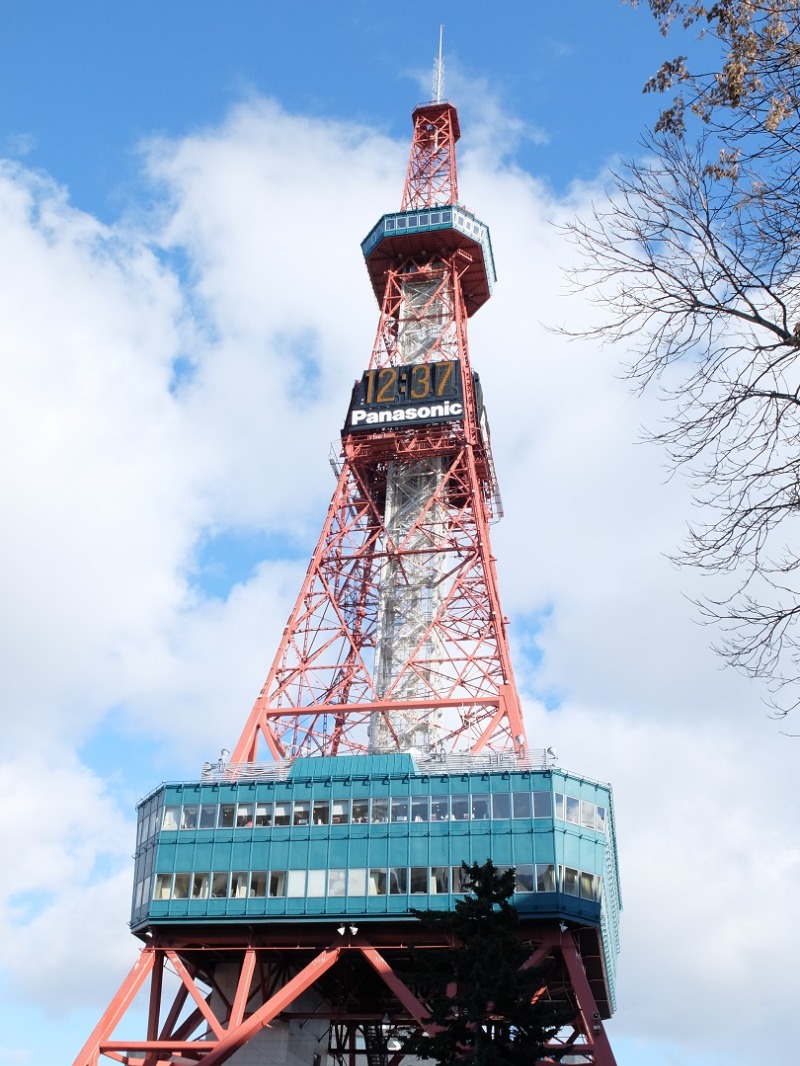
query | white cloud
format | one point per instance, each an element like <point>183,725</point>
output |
<point>249,267</point>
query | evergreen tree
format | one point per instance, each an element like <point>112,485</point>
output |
<point>480,1000</point>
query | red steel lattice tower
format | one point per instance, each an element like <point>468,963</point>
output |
<point>397,640</point>
<point>391,689</point>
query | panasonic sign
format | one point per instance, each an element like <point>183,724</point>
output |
<point>406,395</point>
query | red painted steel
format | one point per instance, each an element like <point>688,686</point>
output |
<point>322,695</point>
<point>268,971</point>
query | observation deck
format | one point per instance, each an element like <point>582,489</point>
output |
<point>425,233</point>
<point>364,839</point>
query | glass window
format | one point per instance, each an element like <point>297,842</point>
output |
<point>573,810</point>
<point>401,223</point>
<point>282,813</point>
<point>389,223</point>
<point>340,814</point>
<point>480,806</point>
<point>398,880</point>
<point>208,816</point>
<point>263,814</point>
<point>258,884</point>
<point>180,887</point>
<point>587,814</point>
<point>600,824</point>
<point>138,894</point>
<point>356,882</point>
<point>380,809</point>
<point>560,805</point>
<point>219,885</point>
<point>296,883</point>
<point>522,804</point>
<point>589,885</point>
<point>440,808</point>
<point>412,221</point>
<point>542,805</point>
<point>570,881</point>
<point>336,882</point>
<point>189,816</point>
<point>277,883</point>
<point>459,879</point>
<point>446,216</point>
<point>524,878</point>
<point>200,886</point>
<point>459,808</point>
<point>321,812</point>
<point>377,882</point>
<point>436,218</point>
<point>300,813</point>
<point>360,810</point>
<point>171,818</point>
<point>501,805</point>
<point>153,824</point>
<point>244,816</point>
<point>163,888</point>
<point>400,810</point>
<point>238,886</point>
<point>226,813</point>
<point>545,877</point>
<point>420,809</point>
<point>418,881</point>
<point>440,879</point>
<point>316,883</point>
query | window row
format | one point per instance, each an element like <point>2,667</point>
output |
<point>425,218</point>
<point>377,810</point>
<point>394,881</point>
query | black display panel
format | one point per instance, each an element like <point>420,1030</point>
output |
<point>407,395</point>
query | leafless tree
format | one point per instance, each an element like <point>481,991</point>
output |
<point>695,259</point>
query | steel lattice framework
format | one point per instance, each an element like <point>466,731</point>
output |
<point>397,638</point>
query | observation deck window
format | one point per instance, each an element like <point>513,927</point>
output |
<point>321,812</point>
<point>244,815</point>
<point>440,808</point>
<point>263,815</point>
<point>282,813</point>
<point>316,883</point>
<point>545,877</point>
<point>377,882</point>
<point>420,808</point>
<point>200,886</point>
<point>300,813</point>
<point>226,816</point>
<point>341,812</point>
<point>379,811</point>
<point>360,810</point>
<point>189,816</point>
<point>219,885</point>
<point>459,809</point>
<point>357,882</point>
<point>258,884</point>
<point>337,881</point>
<point>570,883</point>
<point>296,883</point>
<point>573,810</point>
<point>398,881</point>
<point>208,816</point>
<point>238,887</point>
<point>522,804</point>
<point>399,810</point>
<point>277,883</point>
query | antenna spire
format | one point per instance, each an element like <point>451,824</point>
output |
<point>438,71</point>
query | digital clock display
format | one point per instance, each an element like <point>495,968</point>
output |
<point>410,394</point>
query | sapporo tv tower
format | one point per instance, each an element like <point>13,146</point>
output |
<point>387,746</point>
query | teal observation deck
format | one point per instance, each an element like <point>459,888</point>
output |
<point>368,838</point>
<point>406,234</point>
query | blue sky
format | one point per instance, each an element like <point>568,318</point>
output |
<point>183,190</point>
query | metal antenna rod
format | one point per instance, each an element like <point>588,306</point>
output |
<point>438,71</point>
